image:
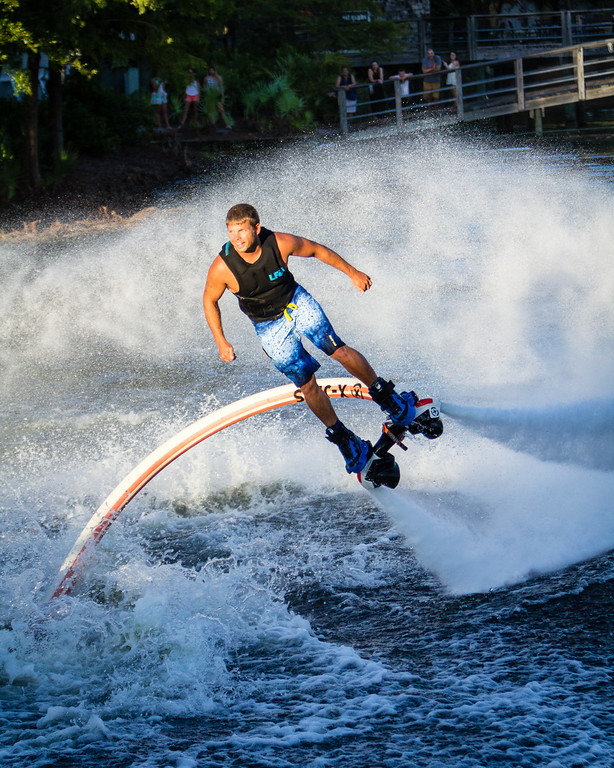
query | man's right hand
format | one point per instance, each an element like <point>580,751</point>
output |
<point>227,353</point>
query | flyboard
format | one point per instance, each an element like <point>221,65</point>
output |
<point>381,468</point>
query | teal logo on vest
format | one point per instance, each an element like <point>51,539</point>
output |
<point>277,274</point>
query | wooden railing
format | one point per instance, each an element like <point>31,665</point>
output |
<point>498,87</point>
<point>483,37</point>
<point>491,36</point>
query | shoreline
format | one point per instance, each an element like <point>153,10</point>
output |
<point>121,188</point>
<point>97,192</point>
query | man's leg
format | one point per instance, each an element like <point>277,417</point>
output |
<point>355,363</point>
<point>310,320</point>
<point>282,344</point>
<point>398,405</point>
<point>319,402</point>
<point>354,450</point>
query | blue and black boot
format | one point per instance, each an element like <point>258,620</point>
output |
<point>354,450</point>
<point>400,406</point>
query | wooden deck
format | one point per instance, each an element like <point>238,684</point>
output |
<point>486,37</point>
<point>506,86</point>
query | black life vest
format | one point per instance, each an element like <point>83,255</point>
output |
<point>265,287</point>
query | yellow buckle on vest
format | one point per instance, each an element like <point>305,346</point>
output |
<point>287,315</point>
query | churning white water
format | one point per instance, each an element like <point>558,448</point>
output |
<point>236,613</point>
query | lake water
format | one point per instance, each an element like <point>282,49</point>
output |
<point>254,606</point>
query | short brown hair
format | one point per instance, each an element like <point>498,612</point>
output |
<point>243,212</point>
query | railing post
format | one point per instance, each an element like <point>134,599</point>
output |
<point>566,30</point>
<point>460,109</point>
<point>398,105</point>
<point>471,38</point>
<point>343,110</point>
<point>518,71</point>
<point>578,56</point>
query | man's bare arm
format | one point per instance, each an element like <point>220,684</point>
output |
<point>214,289</point>
<point>292,245</point>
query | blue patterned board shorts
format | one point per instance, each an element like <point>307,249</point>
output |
<point>281,338</point>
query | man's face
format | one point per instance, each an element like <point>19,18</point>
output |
<point>243,236</point>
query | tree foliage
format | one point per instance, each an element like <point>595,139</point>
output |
<point>249,41</point>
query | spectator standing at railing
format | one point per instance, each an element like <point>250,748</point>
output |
<point>159,99</point>
<point>431,66</point>
<point>213,82</point>
<point>451,67</point>
<point>346,82</point>
<point>376,85</point>
<point>403,77</point>
<point>191,98</point>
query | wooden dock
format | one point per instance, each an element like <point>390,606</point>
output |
<point>530,83</point>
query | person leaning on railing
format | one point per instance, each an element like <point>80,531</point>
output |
<point>451,67</point>
<point>346,82</point>
<point>376,85</point>
<point>403,77</point>
<point>431,65</point>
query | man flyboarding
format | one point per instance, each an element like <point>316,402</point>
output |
<point>253,265</point>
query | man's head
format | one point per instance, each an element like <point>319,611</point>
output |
<point>242,212</point>
<point>430,53</point>
<point>243,224</point>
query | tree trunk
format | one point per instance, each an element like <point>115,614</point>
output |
<point>33,174</point>
<point>54,95</point>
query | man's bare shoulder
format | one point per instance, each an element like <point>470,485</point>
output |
<point>284,237</point>
<point>219,273</point>
<point>217,264</point>
<point>291,244</point>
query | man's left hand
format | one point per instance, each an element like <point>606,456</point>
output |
<point>361,281</point>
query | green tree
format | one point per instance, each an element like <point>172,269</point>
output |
<point>310,26</point>
<point>285,57</point>
<point>169,36</point>
<point>83,34</point>
<point>31,28</point>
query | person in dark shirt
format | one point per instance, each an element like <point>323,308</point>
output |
<point>376,86</point>
<point>347,82</point>
<point>253,265</point>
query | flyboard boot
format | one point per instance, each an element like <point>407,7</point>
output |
<point>407,414</point>
<point>419,417</point>
<point>355,451</point>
